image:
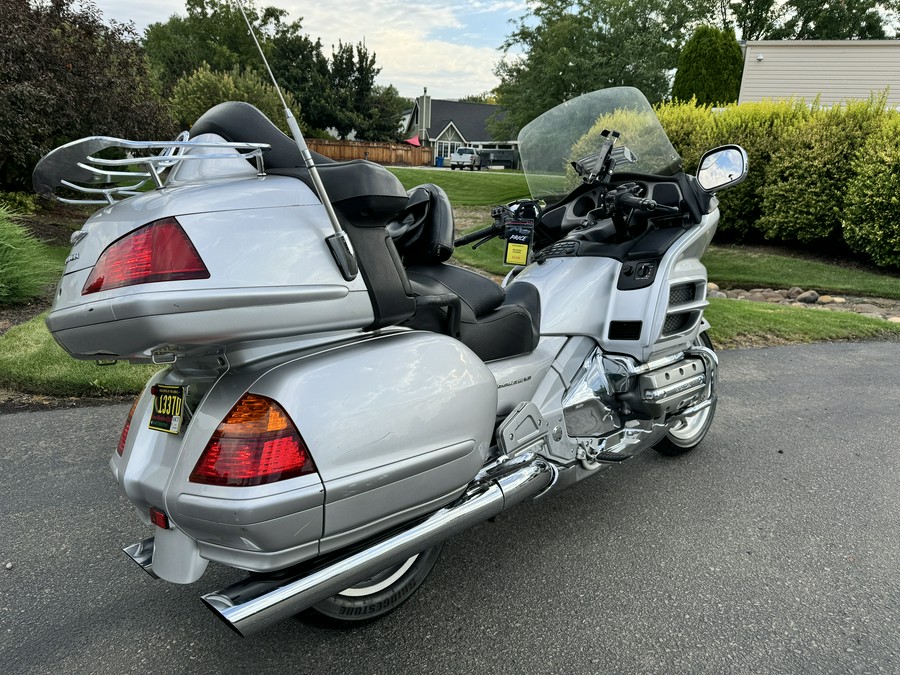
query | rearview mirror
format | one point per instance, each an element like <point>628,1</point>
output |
<point>722,168</point>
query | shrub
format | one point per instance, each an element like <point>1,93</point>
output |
<point>690,127</point>
<point>709,68</point>
<point>871,219</point>
<point>807,177</point>
<point>196,93</point>
<point>65,75</point>
<point>25,269</point>
<point>18,202</point>
<point>758,127</point>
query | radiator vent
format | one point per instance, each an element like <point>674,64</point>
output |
<point>625,330</point>
<point>676,323</point>
<point>682,294</point>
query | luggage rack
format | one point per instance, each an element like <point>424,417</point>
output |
<point>75,167</point>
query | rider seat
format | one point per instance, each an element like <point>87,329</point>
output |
<point>493,322</point>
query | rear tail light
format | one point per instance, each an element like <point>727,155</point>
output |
<point>256,443</point>
<point>120,450</point>
<point>160,251</point>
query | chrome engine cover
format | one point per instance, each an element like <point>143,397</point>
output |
<point>669,390</point>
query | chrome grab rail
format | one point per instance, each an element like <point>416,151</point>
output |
<point>76,166</point>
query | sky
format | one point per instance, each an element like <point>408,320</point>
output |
<point>449,46</point>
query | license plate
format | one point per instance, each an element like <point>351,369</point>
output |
<point>168,408</point>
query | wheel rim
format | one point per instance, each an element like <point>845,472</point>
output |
<point>380,581</point>
<point>691,428</point>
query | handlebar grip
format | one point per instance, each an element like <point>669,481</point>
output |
<point>637,202</point>
<point>474,236</point>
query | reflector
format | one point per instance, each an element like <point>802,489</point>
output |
<point>159,518</point>
<point>120,450</point>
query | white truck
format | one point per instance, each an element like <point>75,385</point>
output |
<point>465,158</point>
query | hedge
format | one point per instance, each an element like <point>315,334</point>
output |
<point>818,175</point>
<point>807,178</point>
<point>871,220</point>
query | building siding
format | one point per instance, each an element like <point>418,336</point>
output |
<point>835,70</point>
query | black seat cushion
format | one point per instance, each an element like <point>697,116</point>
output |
<point>493,324</point>
<point>479,294</point>
<point>365,192</point>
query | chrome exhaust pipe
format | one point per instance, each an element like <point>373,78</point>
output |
<point>256,603</point>
<point>142,554</point>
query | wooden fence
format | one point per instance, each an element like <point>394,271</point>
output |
<point>394,154</point>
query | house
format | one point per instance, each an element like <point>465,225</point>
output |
<point>834,70</point>
<point>447,125</point>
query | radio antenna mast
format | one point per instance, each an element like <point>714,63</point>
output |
<point>338,243</point>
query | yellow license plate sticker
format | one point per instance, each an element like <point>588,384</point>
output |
<point>168,408</point>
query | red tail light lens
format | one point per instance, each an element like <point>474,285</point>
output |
<point>120,450</point>
<point>256,444</point>
<point>160,251</point>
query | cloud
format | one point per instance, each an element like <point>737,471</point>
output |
<point>448,46</point>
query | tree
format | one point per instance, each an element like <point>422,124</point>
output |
<point>814,19</point>
<point>386,108</point>
<point>571,47</point>
<point>66,75</point>
<point>483,97</point>
<point>832,20</point>
<point>339,93</point>
<point>196,93</point>
<point>303,70</point>
<point>213,32</point>
<point>756,19</point>
<point>709,67</point>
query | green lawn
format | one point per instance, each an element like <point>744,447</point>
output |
<point>469,188</point>
<point>737,323</point>
<point>737,267</point>
<point>32,362</point>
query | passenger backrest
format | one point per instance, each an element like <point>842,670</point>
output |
<point>423,232</point>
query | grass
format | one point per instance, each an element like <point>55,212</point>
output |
<point>31,362</point>
<point>25,269</point>
<point>469,188</point>
<point>736,267</point>
<point>735,323</point>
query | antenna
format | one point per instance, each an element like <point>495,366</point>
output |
<point>338,243</point>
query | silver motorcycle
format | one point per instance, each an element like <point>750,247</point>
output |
<point>335,398</point>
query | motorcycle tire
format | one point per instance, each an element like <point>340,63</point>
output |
<point>378,595</point>
<point>689,434</point>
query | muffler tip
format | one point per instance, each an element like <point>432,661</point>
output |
<point>216,602</point>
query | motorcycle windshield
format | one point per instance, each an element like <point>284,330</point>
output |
<point>572,131</point>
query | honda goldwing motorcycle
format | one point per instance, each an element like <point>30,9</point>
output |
<point>327,416</point>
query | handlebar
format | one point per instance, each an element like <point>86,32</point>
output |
<point>628,199</point>
<point>474,236</point>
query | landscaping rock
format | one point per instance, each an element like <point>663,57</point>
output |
<point>716,294</point>
<point>794,292</point>
<point>825,300</point>
<point>869,309</point>
<point>712,287</point>
<point>808,297</point>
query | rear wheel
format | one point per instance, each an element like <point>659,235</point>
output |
<point>379,594</point>
<point>689,432</point>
